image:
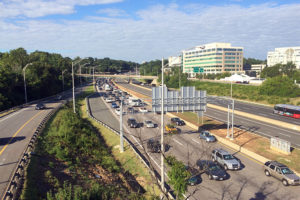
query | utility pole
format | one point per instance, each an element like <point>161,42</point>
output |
<point>121,127</point>
<point>93,75</point>
<point>228,123</point>
<point>24,76</point>
<point>162,173</point>
<point>73,88</point>
<point>232,125</point>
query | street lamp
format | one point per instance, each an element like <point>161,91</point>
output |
<point>25,80</point>
<point>74,110</point>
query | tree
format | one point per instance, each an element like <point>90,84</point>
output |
<point>271,71</point>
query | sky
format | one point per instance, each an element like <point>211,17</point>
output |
<point>144,30</point>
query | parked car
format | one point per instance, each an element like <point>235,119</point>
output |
<point>281,172</point>
<point>114,105</point>
<point>132,123</point>
<point>40,106</point>
<point>225,159</point>
<point>170,128</point>
<point>205,135</point>
<point>118,111</point>
<point>177,121</point>
<point>109,100</point>
<point>212,169</point>
<point>149,124</point>
<point>130,110</point>
<point>143,110</point>
<point>153,146</point>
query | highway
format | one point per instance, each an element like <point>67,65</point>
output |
<point>17,129</point>
<point>247,183</point>
<point>251,125</point>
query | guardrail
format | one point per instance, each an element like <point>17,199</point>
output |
<point>132,146</point>
<point>16,179</point>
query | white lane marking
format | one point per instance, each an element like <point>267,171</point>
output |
<point>155,162</point>
<point>196,141</point>
<point>11,115</point>
<point>177,141</point>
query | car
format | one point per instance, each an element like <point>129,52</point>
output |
<point>212,169</point>
<point>177,121</point>
<point>170,128</point>
<point>117,111</point>
<point>130,110</point>
<point>40,106</point>
<point>281,172</point>
<point>149,124</point>
<point>143,110</point>
<point>109,100</point>
<point>225,159</point>
<point>205,135</point>
<point>58,97</point>
<point>114,105</point>
<point>195,178</point>
<point>153,146</point>
<point>131,122</point>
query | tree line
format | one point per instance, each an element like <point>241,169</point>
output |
<point>45,74</point>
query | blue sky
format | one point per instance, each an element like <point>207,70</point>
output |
<point>138,30</point>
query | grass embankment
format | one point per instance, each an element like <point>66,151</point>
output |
<point>73,161</point>
<point>242,92</point>
<point>246,139</point>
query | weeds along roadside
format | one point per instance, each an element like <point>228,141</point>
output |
<point>73,160</point>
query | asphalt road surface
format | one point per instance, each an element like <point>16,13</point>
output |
<point>247,183</point>
<point>251,125</point>
<point>16,130</point>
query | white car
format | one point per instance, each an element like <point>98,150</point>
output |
<point>149,124</point>
<point>143,110</point>
<point>109,100</point>
<point>118,112</point>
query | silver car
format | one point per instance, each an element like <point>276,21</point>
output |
<point>225,159</point>
<point>149,124</point>
<point>205,135</point>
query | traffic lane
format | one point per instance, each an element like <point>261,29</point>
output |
<point>264,111</point>
<point>10,153</point>
<point>253,126</point>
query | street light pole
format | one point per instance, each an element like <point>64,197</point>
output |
<point>24,76</point>
<point>73,88</point>
<point>232,120</point>
<point>121,127</point>
<point>162,175</point>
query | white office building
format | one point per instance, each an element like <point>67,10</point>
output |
<point>284,55</point>
<point>212,58</point>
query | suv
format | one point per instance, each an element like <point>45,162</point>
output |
<point>40,106</point>
<point>225,159</point>
<point>177,121</point>
<point>281,172</point>
<point>132,123</point>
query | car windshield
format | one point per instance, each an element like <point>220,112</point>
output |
<point>286,171</point>
<point>228,157</point>
<point>148,122</point>
<point>206,134</point>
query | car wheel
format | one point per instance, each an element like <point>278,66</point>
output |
<point>267,173</point>
<point>225,167</point>
<point>284,182</point>
<point>210,177</point>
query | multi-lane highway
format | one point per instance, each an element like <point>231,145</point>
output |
<point>249,124</point>
<point>247,183</point>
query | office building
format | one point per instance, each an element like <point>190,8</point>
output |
<point>283,56</point>
<point>212,58</point>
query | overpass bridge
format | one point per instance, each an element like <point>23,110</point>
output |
<point>125,76</point>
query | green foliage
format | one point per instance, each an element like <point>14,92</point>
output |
<point>152,68</point>
<point>281,86</point>
<point>178,176</point>
<point>247,62</point>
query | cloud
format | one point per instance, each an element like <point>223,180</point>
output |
<point>112,12</point>
<point>40,8</point>
<point>160,31</point>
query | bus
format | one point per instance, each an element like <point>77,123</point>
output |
<point>287,110</point>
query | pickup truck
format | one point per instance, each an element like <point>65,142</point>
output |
<point>225,159</point>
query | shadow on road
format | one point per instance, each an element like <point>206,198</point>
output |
<point>10,140</point>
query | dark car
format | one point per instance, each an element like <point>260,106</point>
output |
<point>177,121</point>
<point>40,106</point>
<point>153,146</point>
<point>195,178</point>
<point>114,105</point>
<point>131,110</point>
<point>132,123</point>
<point>212,169</point>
